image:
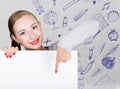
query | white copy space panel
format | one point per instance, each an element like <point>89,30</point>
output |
<point>36,70</point>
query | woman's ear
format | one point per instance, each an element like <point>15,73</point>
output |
<point>14,38</point>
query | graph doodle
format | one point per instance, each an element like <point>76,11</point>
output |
<point>108,62</point>
<point>96,72</point>
<point>113,35</point>
<point>81,14</point>
<point>114,49</point>
<point>106,79</point>
<point>51,18</point>
<point>87,69</point>
<point>106,6</point>
<point>113,16</point>
<point>70,4</point>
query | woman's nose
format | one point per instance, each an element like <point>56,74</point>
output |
<point>31,35</point>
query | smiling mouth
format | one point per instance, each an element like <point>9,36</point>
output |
<point>35,42</point>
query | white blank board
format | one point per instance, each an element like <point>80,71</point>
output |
<point>36,70</point>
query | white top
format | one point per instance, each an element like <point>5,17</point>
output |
<point>85,30</point>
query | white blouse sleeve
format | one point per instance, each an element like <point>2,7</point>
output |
<point>78,35</point>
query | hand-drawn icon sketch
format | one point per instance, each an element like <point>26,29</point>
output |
<point>91,52</point>
<point>51,18</point>
<point>87,69</point>
<point>39,7</point>
<point>113,16</point>
<point>106,6</point>
<point>102,23</point>
<point>80,15</point>
<point>103,46</point>
<point>94,2</point>
<point>81,86</point>
<point>96,72</point>
<point>68,5</point>
<point>106,79</point>
<point>113,35</point>
<point>54,2</point>
<point>108,62</point>
<point>47,41</point>
<point>113,50</point>
<point>65,23</point>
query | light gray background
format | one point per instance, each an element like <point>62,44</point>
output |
<point>68,14</point>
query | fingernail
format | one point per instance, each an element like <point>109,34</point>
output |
<point>14,53</point>
<point>10,56</point>
<point>7,56</point>
<point>55,71</point>
<point>5,53</point>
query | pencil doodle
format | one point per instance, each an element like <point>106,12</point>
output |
<point>113,35</point>
<point>65,23</point>
<point>94,2</point>
<point>39,7</point>
<point>114,49</point>
<point>80,15</point>
<point>103,46</point>
<point>54,2</point>
<point>108,62</point>
<point>106,79</point>
<point>106,6</point>
<point>87,69</point>
<point>113,16</point>
<point>91,52</point>
<point>51,18</point>
<point>96,72</point>
<point>70,4</point>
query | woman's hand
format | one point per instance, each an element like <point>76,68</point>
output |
<point>10,51</point>
<point>62,56</point>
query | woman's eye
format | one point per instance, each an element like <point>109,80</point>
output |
<point>34,27</point>
<point>22,33</point>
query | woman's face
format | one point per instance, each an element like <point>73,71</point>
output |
<point>28,32</point>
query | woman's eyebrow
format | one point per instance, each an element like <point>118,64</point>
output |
<point>33,24</point>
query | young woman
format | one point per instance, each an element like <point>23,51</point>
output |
<point>26,30</point>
